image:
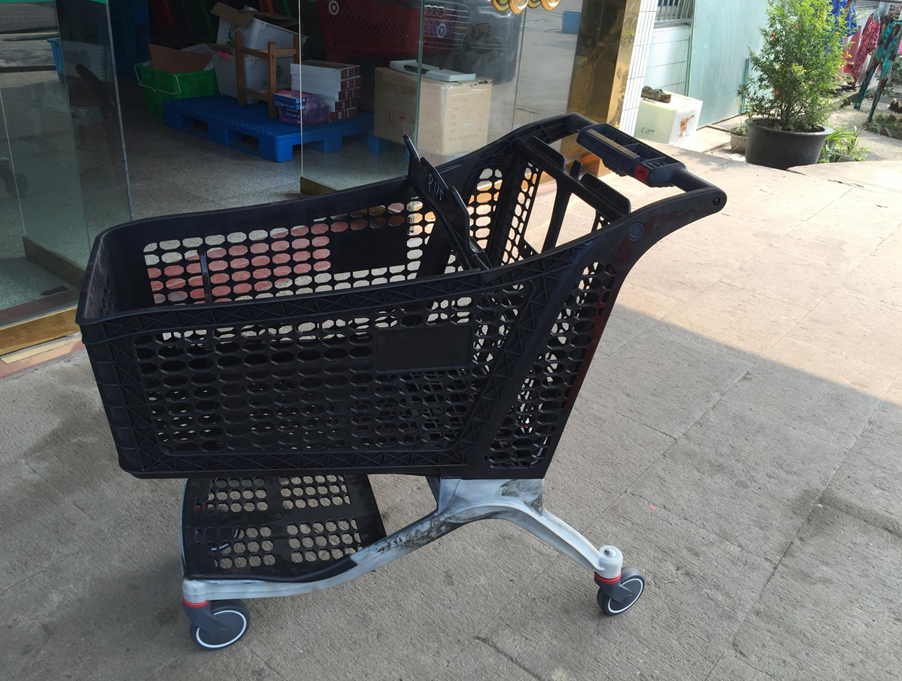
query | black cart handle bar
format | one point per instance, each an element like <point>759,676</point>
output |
<point>621,153</point>
<point>626,155</point>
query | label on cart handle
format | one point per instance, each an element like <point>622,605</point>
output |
<point>434,186</point>
<point>450,210</point>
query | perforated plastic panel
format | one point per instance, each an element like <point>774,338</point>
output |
<point>516,247</point>
<point>538,413</point>
<point>374,245</point>
<point>483,203</point>
<point>276,528</point>
<point>310,389</point>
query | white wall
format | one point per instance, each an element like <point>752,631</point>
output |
<point>723,32</point>
<point>638,61</point>
<point>668,58</point>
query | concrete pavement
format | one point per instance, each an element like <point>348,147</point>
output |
<point>738,438</point>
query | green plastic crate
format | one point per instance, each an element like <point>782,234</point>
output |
<point>160,86</point>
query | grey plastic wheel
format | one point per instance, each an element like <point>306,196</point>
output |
<point>237,619</point>
<point>630,579</point>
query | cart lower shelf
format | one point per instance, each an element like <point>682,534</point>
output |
<point>277,529</point>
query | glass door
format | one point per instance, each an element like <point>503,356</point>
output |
<point>191,143</point>
<point>58,141</point>
<point>348,49</point>
<point>453,75</point>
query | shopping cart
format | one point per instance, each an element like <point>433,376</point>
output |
<point>276,355</point>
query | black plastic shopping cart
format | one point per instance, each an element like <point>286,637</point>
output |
<point>277,355</point>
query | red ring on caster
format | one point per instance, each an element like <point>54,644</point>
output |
<point>606,580</point>
<point>195,605</point>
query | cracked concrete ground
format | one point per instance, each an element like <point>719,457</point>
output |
<point>738,438</point>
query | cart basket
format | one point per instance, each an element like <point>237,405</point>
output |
<point>403,326</point>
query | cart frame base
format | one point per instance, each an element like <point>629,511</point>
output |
<point>458,502</point>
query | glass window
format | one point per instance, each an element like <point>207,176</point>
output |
<point>61,160</point>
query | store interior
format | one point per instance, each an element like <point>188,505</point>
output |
<point>525,58</point>
<point>86,102</point>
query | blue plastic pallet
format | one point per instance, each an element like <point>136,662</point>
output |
<point>221,120</point>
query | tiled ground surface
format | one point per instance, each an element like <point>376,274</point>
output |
<point>738,438</point>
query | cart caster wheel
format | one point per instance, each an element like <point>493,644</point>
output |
<point>631,580</point>
<point>234,615</point>
<point>518,6</point>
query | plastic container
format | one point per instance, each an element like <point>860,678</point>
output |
<point>674,123</point>
<point>57,50</point>
<point>256,74</point>
<point>256,36</point>
<point>570,22</point>
<point>159,85</point>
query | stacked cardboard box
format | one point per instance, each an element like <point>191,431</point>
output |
<point>338,85</point>
<point>453,116</point>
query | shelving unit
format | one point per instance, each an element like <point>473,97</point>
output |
<point>270,55</point>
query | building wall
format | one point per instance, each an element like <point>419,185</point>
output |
<point>668,58</point>
<point>721,39</point>
<point>638,62</point>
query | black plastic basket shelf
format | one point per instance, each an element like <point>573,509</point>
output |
<point>399,327</point>
<point>291,528</point>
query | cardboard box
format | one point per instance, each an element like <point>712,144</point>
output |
<point>296,101</point>
<point>341,105</point>
<point>178,61</point>
<point>340,96</point>
<point>327,70</point>
<point>343,115</point>
<point>453,117</point>
<point>292,117</point>
<point>326,87</point>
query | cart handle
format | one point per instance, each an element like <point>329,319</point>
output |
<point>626,155</point>
<point>449,208</point>
<point>589,188</point>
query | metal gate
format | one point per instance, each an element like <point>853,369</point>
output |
<point>675,11</point>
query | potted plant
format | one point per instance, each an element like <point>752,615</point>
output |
<point>788,98</point>
<point>739,137</point>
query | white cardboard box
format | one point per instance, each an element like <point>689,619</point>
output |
<point>453,117</point>
<point>674,123</point>
<point>325,70</point>
<point>326,87</point>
